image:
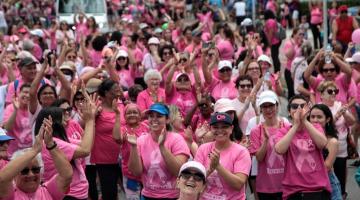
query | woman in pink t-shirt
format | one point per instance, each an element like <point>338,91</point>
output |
<point>124,69</point>
<point>228,164</point>
<point>26,165</point>
<point>16,121</point>
<point>262,142</point>
<point>337,70</point>
<point>154,93</point>
<point>316,19</point>
<point>157,156</point>
<point>133,126</point>
<point>343,119</point>
<point>271,32</point>
<point>225,45</point>
<point>301,145</point>
<point>105,152</point>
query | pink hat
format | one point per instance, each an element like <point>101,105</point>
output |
<point>224,105</point>
<point>131,105</point>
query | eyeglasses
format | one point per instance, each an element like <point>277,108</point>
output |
<point>183,60</point>
<point>34,170</point>
<point>332,91</point>
<point>243,86</point>
<point>295,106</point>
<point>225,69</point>
<point>197,176</point>
<point>266,106</point>
<point>68,109</point>
<point>328,70</point>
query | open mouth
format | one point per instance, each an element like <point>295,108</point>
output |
<point>190,185</point>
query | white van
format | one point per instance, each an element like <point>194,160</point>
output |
<point>65,10</point>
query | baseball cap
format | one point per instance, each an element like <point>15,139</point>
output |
<point>3,136</point>
<point>195,166</point>
<point>37,32</point>
<point>159,108</point>
<point>22,30</point>
<point>356,57</point>
<point>246,22</point>
<point>223,64</point>
<point>181,74</point>
<point>220,117</point>
<point>92,85</point>
<point>153,40</point>
<point>224,105</point>
<point>268,96</point>
<point>343,8</point>
<point>265,58</point>
<point>122,53</point>
<point>143,25</point>
<point>27,61</point>
<point>68,65</point>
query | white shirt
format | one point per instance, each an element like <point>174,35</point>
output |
<point>3,91</point>
<point>240,7</point>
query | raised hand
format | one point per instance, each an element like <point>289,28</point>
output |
<point>162,137</point>
<point>16,103</point>
<point>188,134</point>
<point>115,107</point>
<point>131,139</point>
<point>48,131</point>
<point>90,108</point>
<point>214,157</point>
<point>297,116</point>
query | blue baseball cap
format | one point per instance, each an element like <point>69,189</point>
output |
<point>159,108</point>
<point>220,117</point>
<point>3,136</point>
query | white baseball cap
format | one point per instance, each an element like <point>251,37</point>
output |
<point>224,105</point>
<point>356,57</point>
<point>193,165</point>
<point>265,58</point>
<point>224,63</point>
<point>181,74</point>
<point>154,40</point>
<point>268,96</point>
<point>246,22</point>
<point>122,53</point>
<point>37,32</point>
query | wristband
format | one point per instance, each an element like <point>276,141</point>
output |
<point>52,147</point>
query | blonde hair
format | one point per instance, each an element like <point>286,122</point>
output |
<point>325,84</point>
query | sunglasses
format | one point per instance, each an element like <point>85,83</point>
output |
<point>197,176</point>
<point>243,86</point>
<point>166,53</point>
<point>332,91</point>
<point>182,79</point>
<point>328,70</point>
<point>295,106</point>
<point>68,109</point>
<point>121,58</point>
<point>203,105</point>
<point>210,55</point>
<point>267,106</point>
<point>34,170</point>
<point>226,69</point>
<point>183,60</point>
<point>71,57</point>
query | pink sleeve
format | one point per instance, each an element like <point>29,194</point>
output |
<point>140,101</point>
<point>200,157</point>
<point>67,148</point>
<point>255,139</point>
<point>281,133</point>
<point>10,92</point>
<point>318,79</point>
<point>243,163</point>
<point>179,146</point>
<point>7,112</point>
<point>53,188</point>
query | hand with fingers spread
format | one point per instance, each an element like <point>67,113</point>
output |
<point>202,130</point>
<point>90,108</point>
<point>115,107</point>
<point>16,103</point>
<point>132,140</point>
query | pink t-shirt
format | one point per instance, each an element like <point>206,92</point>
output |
<point>316,16</point>
<point>226,50</point>
<point>126,78</point>
<point>79,184</point>
<point>235,159</point>
<point>142,129</point>
<point>346,90</point>
<point>3,163</point>
<point>144,100</point>
<point>219,89</point>
<point>184,100</point>
<point>271,169</point>
<point>47,191</point>
<point>157,180</point>
<point>73,130</point>
<point>95,58</point>
<point>305,170</point>
<point>249,113</point>
<point>271,24</point>
<point>290,44</point>
<point>105,149</point>
<point>81,30</point>
<point>21,130</point>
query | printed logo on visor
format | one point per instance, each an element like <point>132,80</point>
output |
<point>220,117</point>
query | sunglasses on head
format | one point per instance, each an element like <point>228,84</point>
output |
<point>332,91</point>
<point>225,69</point>
<point>328,70</point>
<point>295,106</point>
<point>243,86</point>
<point>68,109</point>
<point>197,176</point>
<point>34,170</point>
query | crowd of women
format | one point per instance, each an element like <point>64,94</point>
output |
<point>177,105</point>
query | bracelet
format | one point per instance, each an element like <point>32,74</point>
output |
<point>52,147</point>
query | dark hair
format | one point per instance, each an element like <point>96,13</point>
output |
<point>162,48</point>
<point>78,93</point>
<point>330,129</point>
<point>297,96</point>
<point>59,102</point>
<point>105,86</point>
<point>99,42</point>
<point>188,28</point>
<point>57,117</point>
<point>295,31</point>
<point>229,33</point>
<point>25,85</point>
<point>134,37</point>
<point>322,63</point>
<point>118,67</point>
<point>253,61</point>
<point>237,133</point>
<point>42,88</point>
<point>268,14</point>
<point>242,78</point>
<point>134,91</point>
<point>116,36</point>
